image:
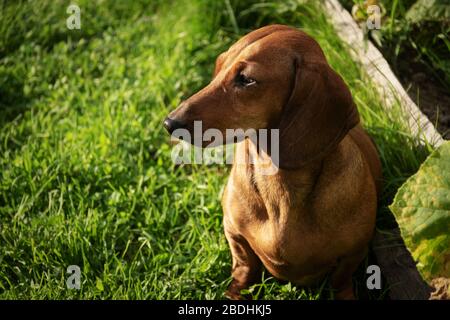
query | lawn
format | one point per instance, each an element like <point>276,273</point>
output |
<point>86,176</point>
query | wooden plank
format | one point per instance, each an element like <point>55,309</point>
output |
<point>379,72</point>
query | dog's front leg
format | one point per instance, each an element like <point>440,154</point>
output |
<point>341,278</point>
<point>246,267</point>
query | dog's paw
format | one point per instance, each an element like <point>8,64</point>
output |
<point>345,294</point>
<point>234,291</point>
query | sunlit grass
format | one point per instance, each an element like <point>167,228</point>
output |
<point>86,175</point>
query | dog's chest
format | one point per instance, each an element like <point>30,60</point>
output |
<point>269,213</point>
<point>283,241</point>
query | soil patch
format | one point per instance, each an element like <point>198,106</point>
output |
<point>424,88</point>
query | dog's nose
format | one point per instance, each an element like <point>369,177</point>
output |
<point>171,125</point>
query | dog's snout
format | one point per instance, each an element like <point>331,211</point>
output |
<point>171,124</point>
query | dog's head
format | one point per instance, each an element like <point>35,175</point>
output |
<point>276,77</point>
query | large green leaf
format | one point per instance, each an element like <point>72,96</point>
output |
<point>422,210</point>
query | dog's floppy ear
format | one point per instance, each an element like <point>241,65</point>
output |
<point>317,116</point>
<point>219,63</point>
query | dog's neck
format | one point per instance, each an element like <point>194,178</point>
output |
<point>281,190</point>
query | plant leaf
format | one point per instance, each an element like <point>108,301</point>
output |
<point>422,210</point>
<point>429,10</point>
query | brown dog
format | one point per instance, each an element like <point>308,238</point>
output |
<point>316,215</point>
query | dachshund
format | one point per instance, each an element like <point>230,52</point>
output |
<point>315,216</point>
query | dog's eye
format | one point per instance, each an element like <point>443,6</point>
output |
<point>244,81</point>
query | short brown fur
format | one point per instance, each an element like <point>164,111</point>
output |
<point>316,215</point>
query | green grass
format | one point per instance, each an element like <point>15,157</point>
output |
<point>86,176</point>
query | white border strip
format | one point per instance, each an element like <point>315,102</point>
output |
<point>379,71</point>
